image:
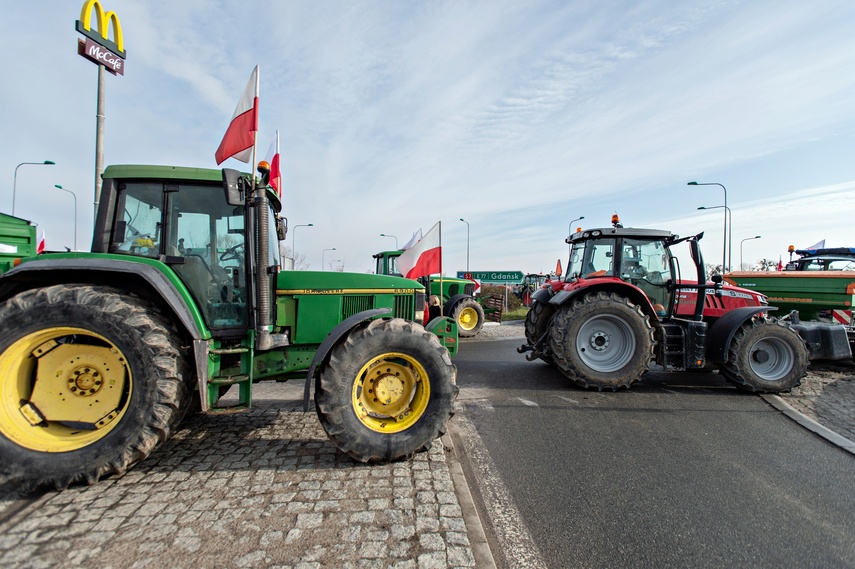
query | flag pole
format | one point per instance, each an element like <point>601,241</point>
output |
<point>440,259</point>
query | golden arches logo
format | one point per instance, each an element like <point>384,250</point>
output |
<point>103,21</point>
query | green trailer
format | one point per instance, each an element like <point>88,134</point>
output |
<point>18,240</point>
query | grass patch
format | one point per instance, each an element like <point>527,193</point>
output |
<point>517,314</point>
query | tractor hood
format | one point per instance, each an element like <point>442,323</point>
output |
<point>308,281</point>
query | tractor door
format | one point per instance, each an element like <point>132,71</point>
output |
<point>197,234</point>
<point>646,264</point>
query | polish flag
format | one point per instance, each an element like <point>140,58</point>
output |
<point>40,240</point>
<point>780,264</point>
<point>417,236</point>
<point>425,257</point>
<point>240,136</point>
<point>273,159</point>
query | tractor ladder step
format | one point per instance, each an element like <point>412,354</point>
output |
<point>672,348</point>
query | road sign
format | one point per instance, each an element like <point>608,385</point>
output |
<point>492,277</point>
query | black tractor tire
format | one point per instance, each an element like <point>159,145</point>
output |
<point>601,341</point>
<point>537,321</point>
<point>766,356</point>
<point>68,351</point>
<point>469,317</point>
<point>386,391</point>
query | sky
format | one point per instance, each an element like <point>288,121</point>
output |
<point>519,117</point>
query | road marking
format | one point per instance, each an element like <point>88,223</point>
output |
<point>513,537</point>
<point>528,402</point>
<point>668,390</point>
<point>568,399</point>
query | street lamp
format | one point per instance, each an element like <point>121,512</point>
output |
<point>323,254</point>
<point>726,236</point>
<point>294,239</point>
<point>727,214</point>
<point>75,211</point>
<point>467,243</point>
<point>393,237</point>
<point>740,249</point>
<point>15,181</point>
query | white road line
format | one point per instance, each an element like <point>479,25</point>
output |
<point>518,548</point>
<point>528,402</point>
<point>568,399</point>
<point>668,390</point>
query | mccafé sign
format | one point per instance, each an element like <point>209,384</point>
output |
<point>98,46</point>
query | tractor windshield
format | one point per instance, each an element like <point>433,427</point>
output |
<point>645,263</point>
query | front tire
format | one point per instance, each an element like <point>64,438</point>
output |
<point>537,321</point>
<point>386,392</point>
<point>90,383</point>
<point>469,317</point>
<point>603,341</point>
<point>766,356</point>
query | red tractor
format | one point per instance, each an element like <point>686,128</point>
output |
<point>623,305</point>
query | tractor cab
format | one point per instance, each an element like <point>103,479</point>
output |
<point>640,257</point>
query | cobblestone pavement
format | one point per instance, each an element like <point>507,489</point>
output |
<point>260,489</point>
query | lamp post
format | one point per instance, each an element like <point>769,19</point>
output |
<point>726,236</point>
<point>467,243</point>
<point>15,181</point>
<point>75,211</point>
<point>294,239</point>
<point>727,214</point>
<point>740,248</point>
<point>393,237</point>
<point>323,254</point>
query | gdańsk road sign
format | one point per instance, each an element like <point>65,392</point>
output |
<point>492,276</point>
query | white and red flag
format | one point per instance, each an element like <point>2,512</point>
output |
<point>425,257</point>
<point>273,159</point>
<point>417,236</point>
<point>240,136</point>
<point>40,240</point>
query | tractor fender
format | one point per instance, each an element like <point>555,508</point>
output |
<point>46,271</point>
<point>722,331</point>
<point>542,295</point>
<point>448,309</point>
<point>627,290</point>
<point>337,333</point>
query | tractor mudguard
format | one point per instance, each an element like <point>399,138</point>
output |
<point>448,309</point>
<point>542,295</point>
<point>445,329</point>
<point>45,272</point>
<point>722,331</point>
<point>332,339</point>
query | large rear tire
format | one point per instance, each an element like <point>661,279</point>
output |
<point>537,321</point>
<point>91,382</point>
<point>766,356</point>
<point>602,341</point>
<point>387,391</point>
<point>469,317</point>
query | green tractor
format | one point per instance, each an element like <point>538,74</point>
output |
<point>456,296</point>
<point>181,299</point>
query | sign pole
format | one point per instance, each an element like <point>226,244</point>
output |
<point>99,139</point>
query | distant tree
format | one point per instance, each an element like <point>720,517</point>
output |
<point>300,263</point>
<point>767,265</point>
<point>712,270</point>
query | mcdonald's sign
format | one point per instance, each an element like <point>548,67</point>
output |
<point>98,46</point>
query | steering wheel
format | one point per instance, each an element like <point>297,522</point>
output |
<point>232,253</point>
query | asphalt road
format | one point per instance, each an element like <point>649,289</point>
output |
<point>679,471</point>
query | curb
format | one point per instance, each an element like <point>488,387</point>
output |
<point>475,530</point>
<point>809,424</point>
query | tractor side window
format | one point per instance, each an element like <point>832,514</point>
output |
<point>137,227</point>
<point>645,264</point>
<point>599,258</point>
<point>574,266</point>
<point>393,266</point>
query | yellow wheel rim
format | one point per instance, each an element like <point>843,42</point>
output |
<point>468,318</point>
<point>391,393</point>
<point>62,389</point>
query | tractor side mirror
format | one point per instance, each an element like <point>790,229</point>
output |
<point>281,228</point>
<point>233,186</point>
